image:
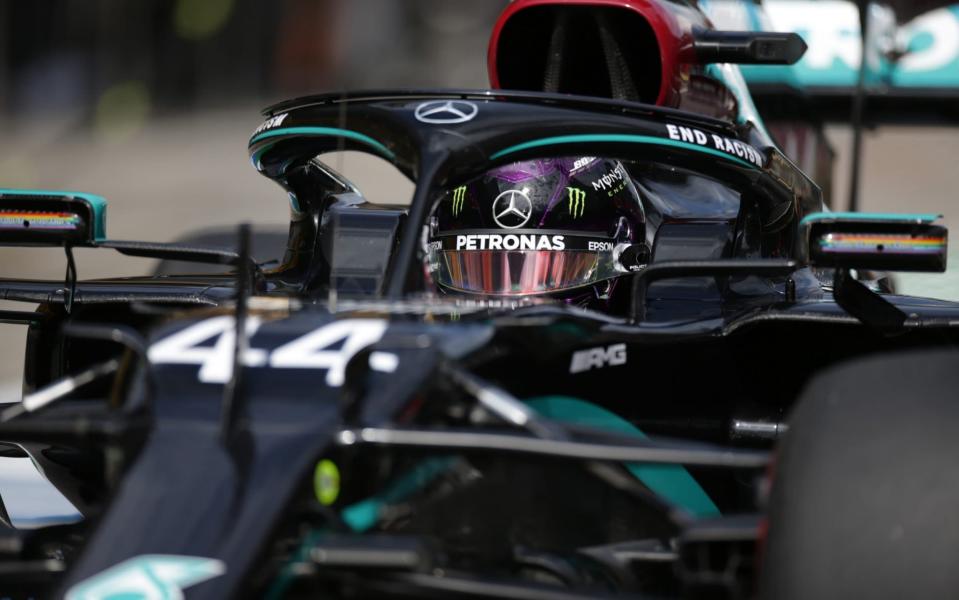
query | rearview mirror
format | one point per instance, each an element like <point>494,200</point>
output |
<point>874,241</point>
<point>45,218</point>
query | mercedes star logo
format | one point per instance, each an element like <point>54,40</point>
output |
<point>446,112</point>
<point>512,209</point>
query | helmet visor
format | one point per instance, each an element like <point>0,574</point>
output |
<point>521,272</point>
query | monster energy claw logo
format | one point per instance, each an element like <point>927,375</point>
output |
<point>459,195</point>
<point>577,201</point>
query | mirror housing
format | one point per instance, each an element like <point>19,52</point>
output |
<point>49,218</point>
<point>874,241</point>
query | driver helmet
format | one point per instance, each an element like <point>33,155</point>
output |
<point>566,227</point>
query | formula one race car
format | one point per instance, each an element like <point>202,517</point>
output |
<point>557,373</point>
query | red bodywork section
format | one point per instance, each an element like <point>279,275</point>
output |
<point>671,25</point>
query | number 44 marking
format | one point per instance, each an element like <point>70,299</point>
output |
<point>306,352</point>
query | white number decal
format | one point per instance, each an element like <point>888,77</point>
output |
<point>305,352</point>
<point>217,361</point>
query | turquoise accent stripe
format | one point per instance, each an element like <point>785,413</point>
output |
<point>287,574</point>
<point>97,204</point>
<point>617,137</point>
<point>255,159</point>
<point>752,11</point>
<point>671,482</point>
<point>363,515</point>
<point>865,216</point>
<point>323,131</point>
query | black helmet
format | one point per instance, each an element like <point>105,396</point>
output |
<point>538,227</point>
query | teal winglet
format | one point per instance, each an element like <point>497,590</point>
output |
<point>673,483</point>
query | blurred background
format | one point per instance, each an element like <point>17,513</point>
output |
<point>151,103</point>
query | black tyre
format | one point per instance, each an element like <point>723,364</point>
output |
<point>865,498</point>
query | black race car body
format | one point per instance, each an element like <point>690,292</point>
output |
<point>341,426</point>
<point>363,435</point>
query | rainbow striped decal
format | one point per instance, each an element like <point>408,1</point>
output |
<point>873,243</point>
<point>47,221</point>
